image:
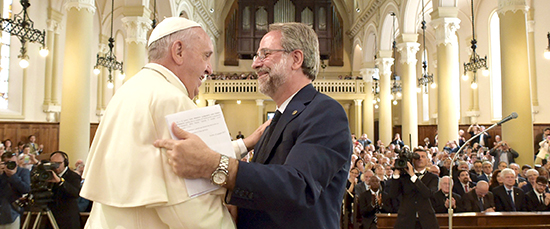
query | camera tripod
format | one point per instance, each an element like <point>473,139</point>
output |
<point>39,217</point>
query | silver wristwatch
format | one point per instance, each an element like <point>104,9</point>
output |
<point>220,175</point>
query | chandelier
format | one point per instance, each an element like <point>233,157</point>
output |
<point>21,26</point>
<point>476,62</point>
<point>154,24</point>
<point>396,86</point>
<point>109,59</point>
<point>427,78</point>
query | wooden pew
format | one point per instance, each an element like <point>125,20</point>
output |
<point>515,220</point>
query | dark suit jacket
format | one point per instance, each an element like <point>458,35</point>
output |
<point>503,202</point>
<point>439,199</point>
<point>65,201</point>
<point>368,211</point>
<point>471,201</point>
<point>457,188</point>
<point>483,177</point>
<point>360,188</point>
<point>527,188</point>
<point>416,198</point>
<point>308,162</point>
<point>533,203</point>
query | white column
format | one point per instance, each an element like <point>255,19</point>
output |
<point>385,61</point>
<point>74,128</point>
<point>368,110</point>
<point>211,102</point>
<point>136,41</point>
<point>261,109</point>
<point>446,23</point>
<point>358,116</point>
<point>516,87</point>
<point>408,50</point>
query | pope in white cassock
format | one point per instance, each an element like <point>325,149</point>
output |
<point>129,180</point>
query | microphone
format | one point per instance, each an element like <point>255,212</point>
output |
<point>508,118</point>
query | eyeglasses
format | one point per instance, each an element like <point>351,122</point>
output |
<point>545,185</point>
<point>264,53</point>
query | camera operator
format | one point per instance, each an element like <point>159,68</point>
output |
<point>66,189</point>
<point>503,152</point>
<point>14,182</point>
<point>417,187</point>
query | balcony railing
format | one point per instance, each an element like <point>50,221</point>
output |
<point>251,86</point>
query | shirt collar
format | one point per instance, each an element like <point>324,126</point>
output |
<point>286,102</point>
<point>63,173</point>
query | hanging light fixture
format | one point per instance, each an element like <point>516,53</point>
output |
<point>396,86</point>
<point>154,15</point>
<point>109,59</point>
<point>547,51</point>
<point>21,26</point>
<point>475,62</point>
<point>427,78</point>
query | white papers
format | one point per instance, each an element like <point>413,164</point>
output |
<point>209,124</point>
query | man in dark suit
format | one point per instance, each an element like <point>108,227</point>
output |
<point>440,200</point>
<point>476,171</point>
<point>538,199</point>
<point>479,199</point>
<point>507,196</point>
<point>14,182</point>
<point>373,201</point>
<point>363,186</point>
<point>487,168</point>
<point>66,187</point>
<point>465,184</point>
<point>417,187</point>
<point>531,175</point>
<point>301,162</point>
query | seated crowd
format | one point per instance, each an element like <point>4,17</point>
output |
<point>21,190</point>
<point>486,179</point>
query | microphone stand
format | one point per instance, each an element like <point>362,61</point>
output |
<point>450,211</point>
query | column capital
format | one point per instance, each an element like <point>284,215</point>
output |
<point>136,29</point>
<point>259,102</point>
<point>80,4</point>
<point>368,73</point>
<point>357,102</point>
<point>408,52</point>
<point>445,30</point>
<point>512,5</point>
<point>385,65</point>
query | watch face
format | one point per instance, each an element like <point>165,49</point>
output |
<point>219,178</point>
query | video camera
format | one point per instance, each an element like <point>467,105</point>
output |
<point>404,156</point>
<point>10,164</point>
<point>40,193</point>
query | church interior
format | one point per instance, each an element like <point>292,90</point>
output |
<point>396,66</point>
<point>424,69</point>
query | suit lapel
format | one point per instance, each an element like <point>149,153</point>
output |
<point>293,110</point>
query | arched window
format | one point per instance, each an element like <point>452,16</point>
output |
<point>494,61</point>
<point>5,58</point>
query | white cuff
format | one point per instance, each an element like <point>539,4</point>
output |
<point>239,147</point>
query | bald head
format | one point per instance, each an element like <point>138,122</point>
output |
<point>482,188</point>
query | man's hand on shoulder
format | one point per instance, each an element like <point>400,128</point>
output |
<point>251,140</point>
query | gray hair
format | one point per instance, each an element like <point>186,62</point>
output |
<point>161,47</point>
<point>507,171</point>
<point>299,36</point>
<point>533,171</point>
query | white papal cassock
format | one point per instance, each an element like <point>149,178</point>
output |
<point>129,180</point>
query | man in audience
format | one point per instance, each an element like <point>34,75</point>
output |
<point>372,202</point>
<point>520,181</point>
<point>240,135</point>
<point>145,192</point>
<point>507,196</point>
<point>538,199</point>
<point>524,169</point>
<point>532,175</point>
<point>476,171</point>
<point>465,184</point>
<point>362,187</point>
<point>479,199</point>
<point>417,187</point>
<point>440,200</point>
<point>66,186</point>
<point>364,139</point>
<point>503,152</point>
<point>14,182</point>
<point>297,175</point>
